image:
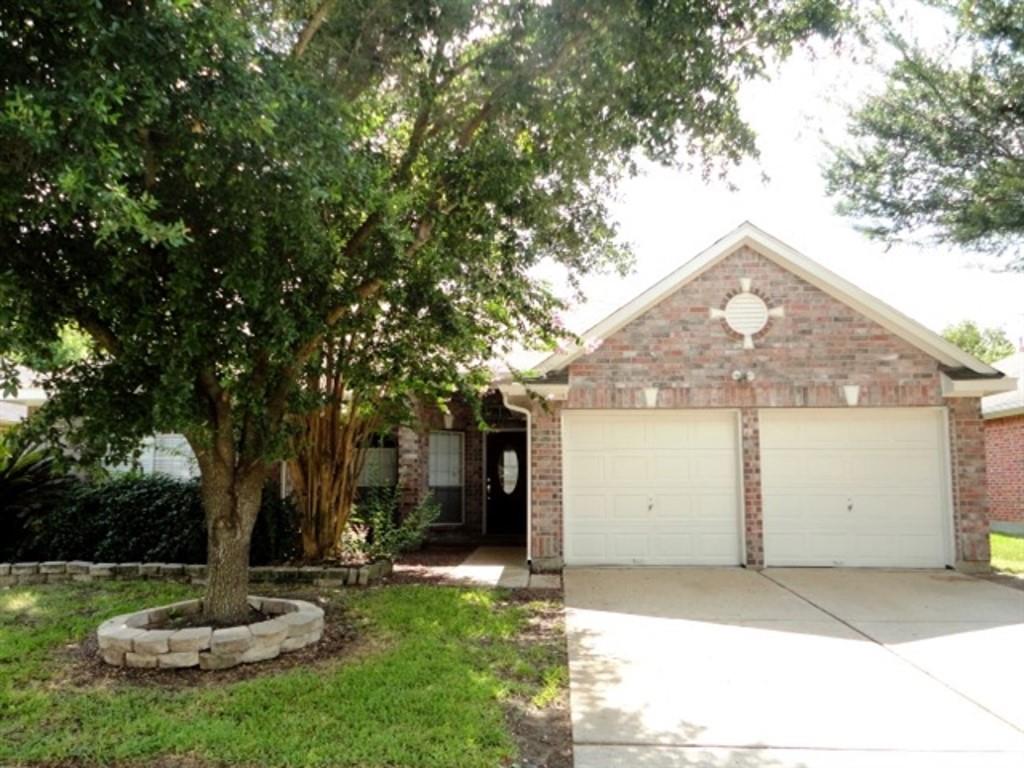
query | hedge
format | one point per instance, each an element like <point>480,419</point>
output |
<point>148,518</point>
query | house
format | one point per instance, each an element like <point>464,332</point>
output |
<point>1004,449</point>
<point>750,408</point>
<point>24,402</point>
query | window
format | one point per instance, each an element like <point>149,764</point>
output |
<point>508,470</point>
<point>380,466</point>
<point>445,474</point>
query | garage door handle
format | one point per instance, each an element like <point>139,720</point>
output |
<point>849,505</point>
<point>650,503</point>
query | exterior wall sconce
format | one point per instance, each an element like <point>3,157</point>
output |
<point>650,396</point>
<point>852,393</point>
<point>741,377</point>
<point>449,420</point>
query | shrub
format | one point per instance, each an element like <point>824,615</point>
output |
<point>378,531</point>
<point>155,518</point>
<point>30,485</point>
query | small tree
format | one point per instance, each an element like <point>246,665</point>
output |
<point>989,344</point>
<point>219,193</point>
<point>940,150</point>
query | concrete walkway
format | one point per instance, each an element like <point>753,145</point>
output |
<point>494,567</point>
<point>802,668</point>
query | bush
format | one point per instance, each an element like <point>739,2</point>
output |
<point>379,532</point>
<point>30,485</point>
<point>152,518</point>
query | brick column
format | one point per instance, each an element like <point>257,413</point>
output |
<point>413,448</point>
<point>753,520</point>
<point>970,492</point>
<point>546,488</point>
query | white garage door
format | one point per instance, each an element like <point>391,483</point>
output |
<point>657,487</point>
<point>858,487</point>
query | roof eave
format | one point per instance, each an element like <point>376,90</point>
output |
<point>976,387</point>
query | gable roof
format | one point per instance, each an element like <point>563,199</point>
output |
<point>746,234</point>
<point>1007,403</point>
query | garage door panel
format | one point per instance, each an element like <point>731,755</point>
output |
<point>867,490</point>
<point>626,507</point>
<point>669,435</point>
<point>673,500</point>
<point>585,469</point>
<point>590,506</point>
<point>796,468</point>
<point>625,434</point>
<point>671,468</point>
<point>627,469</point>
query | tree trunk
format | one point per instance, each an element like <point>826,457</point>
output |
<point>231,502</point>
<point>329,455</point>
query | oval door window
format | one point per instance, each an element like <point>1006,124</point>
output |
<point>509,470</point>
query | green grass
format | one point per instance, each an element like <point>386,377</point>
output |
<point>1007,552</point>
<point>429,691</point>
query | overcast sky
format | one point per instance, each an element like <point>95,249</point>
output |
<point>669,216</point>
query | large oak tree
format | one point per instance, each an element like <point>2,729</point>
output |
<point>218,193</point>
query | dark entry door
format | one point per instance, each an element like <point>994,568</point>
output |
<point>506,482</point>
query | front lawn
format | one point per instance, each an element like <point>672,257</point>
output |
<point>1007,552</point>
<point>432,677</point>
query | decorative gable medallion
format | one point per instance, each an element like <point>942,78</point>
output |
<point>746,314</point>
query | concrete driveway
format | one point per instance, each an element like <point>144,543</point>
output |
<point>794,668</point>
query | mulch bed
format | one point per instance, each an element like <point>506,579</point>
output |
<point>340,638</point>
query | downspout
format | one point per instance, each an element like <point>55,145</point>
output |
<point>529,473</point>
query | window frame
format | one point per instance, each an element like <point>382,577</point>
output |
<point>462,477</point>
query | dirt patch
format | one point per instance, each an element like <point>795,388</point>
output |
<point>543,734</point>
<point>188,621</point>
<point>341,639</point>
<point>430,565</point>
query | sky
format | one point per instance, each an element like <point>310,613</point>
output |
<point>669,215</point>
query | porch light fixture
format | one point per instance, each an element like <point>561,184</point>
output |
<point>650,396</point>
<point>449,420</point>
<point>852,393</point>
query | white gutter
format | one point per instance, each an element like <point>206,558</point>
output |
<point>529,472</point>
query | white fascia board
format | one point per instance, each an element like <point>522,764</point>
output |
<point>792,260</point>
<point>1003,414</point>
<point>546,391</point>
<point>976,387</point>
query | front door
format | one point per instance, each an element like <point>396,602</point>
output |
<point>506,483</point>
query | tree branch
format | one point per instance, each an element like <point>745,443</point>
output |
<point>312,27</point>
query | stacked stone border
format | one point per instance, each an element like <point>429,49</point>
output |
<point>58,571</point>
<point>128,641</point>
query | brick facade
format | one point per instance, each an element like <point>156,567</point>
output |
<point>1004,451</point>
<point>413,464</point>
<point>800,360</point>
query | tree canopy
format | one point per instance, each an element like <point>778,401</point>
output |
<point>217,193</point>
<point>988,344</point>
<point>939,152</point>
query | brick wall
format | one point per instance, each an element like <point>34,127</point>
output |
<point>413,466</point>
<point>1004,450</point>
<point>802,359</point>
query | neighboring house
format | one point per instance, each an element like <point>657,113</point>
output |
<point>1004,449</point>
<point>24,402</point>
<point>751,408</point>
